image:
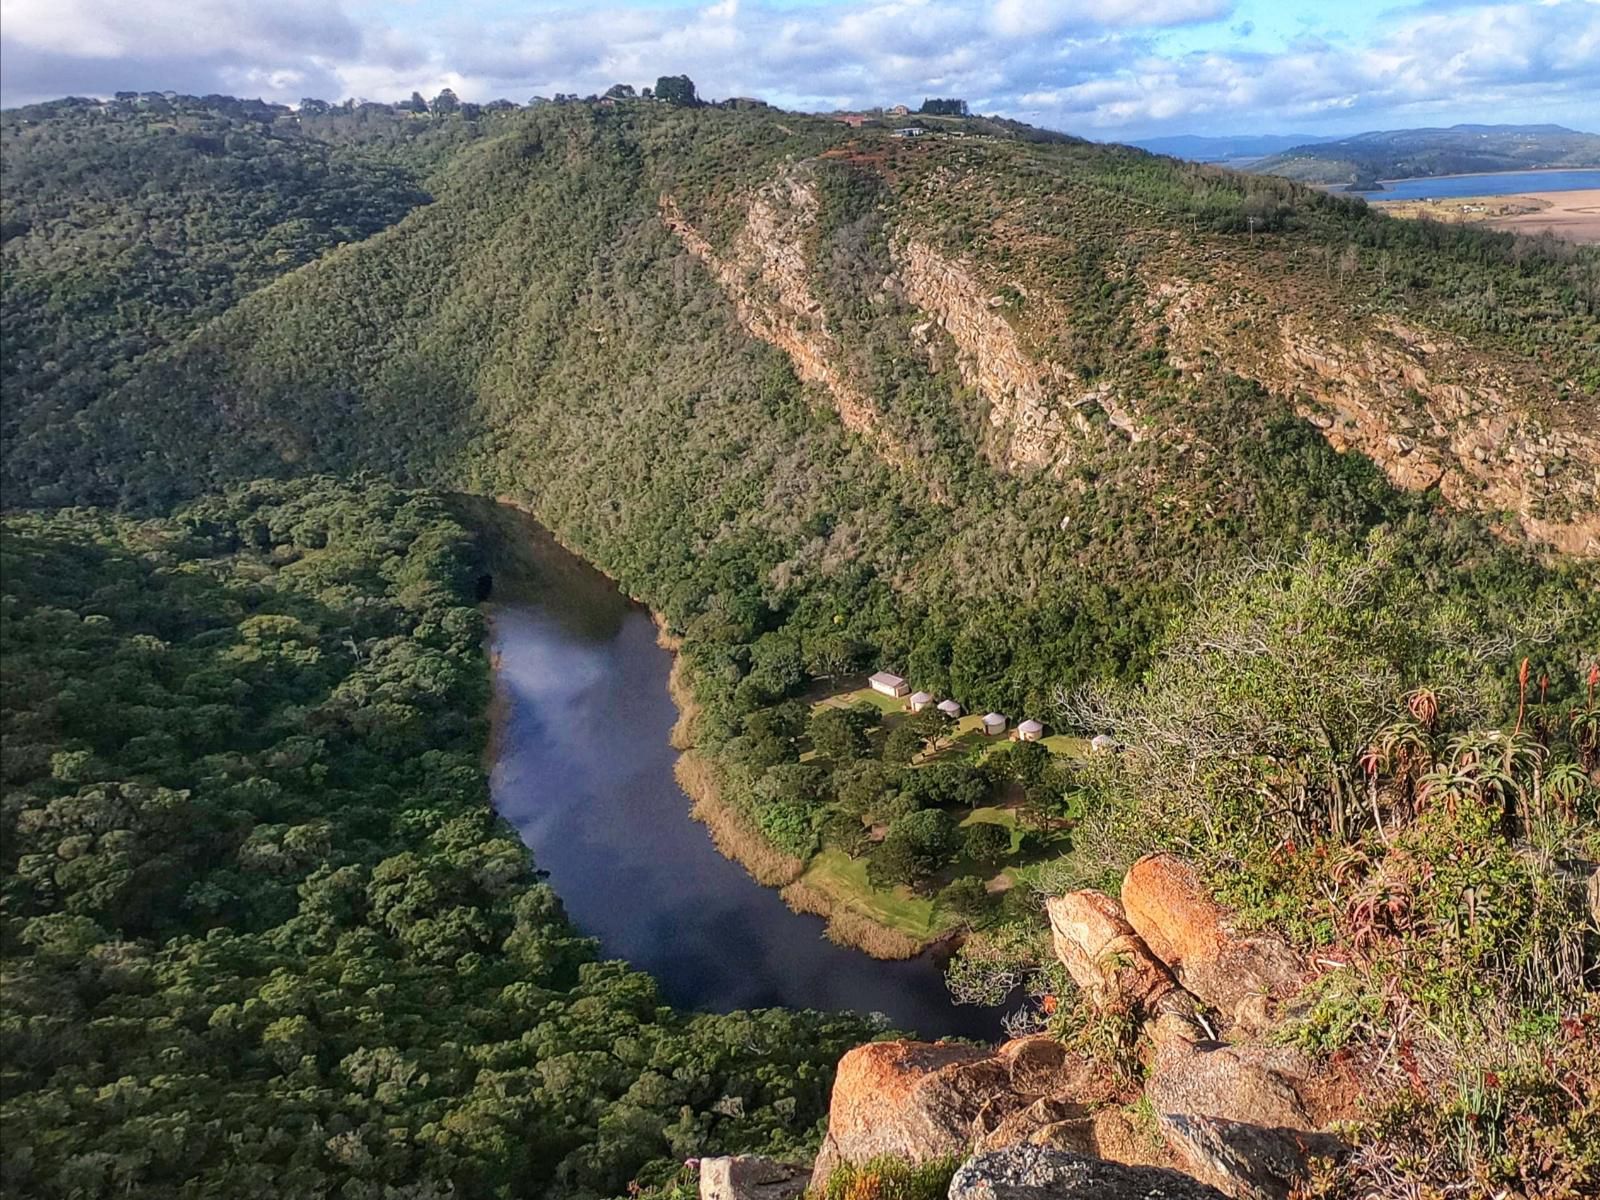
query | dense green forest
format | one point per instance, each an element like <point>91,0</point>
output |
<point>1295,653</point>
<point>129,224</point>
<point>263,935</point>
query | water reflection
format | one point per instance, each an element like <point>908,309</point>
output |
<point>584,771</point>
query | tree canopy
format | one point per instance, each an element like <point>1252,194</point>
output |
<point>263,934</point>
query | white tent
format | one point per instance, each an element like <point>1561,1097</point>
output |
<point>993,723</point>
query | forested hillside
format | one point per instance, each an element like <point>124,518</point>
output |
<point>1280,491</point>
<point>974,408</point>
<point>129,224</point>
<point>263,934</point>
<point>1361,161</point>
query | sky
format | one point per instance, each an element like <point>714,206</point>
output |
<point>1109,69</point>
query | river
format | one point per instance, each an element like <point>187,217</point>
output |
<point>584,770</point>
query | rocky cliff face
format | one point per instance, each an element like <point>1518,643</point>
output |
<point>1023,393</point>
<point>765,275</point>
<point>1429,410</point>
<point>1234,1109</point>
<point>1488,432</point>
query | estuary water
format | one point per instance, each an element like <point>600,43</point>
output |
<point>1506,183</point>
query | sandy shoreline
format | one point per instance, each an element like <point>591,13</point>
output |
<point>1573,216</point>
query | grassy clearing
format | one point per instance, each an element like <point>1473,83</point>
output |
<point>847,927</point>
<point>845,880</point>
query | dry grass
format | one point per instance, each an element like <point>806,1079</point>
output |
<point>849,928</point>
<point>682,735</point>
<point>733,835</point>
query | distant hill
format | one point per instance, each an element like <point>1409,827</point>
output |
<point>1227,149</point>
<point>1361,161</point>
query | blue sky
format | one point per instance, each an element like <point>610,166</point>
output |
<point>1102,68</point>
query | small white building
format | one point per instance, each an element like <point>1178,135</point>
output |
<point>920,700</point>
<point>1102,743</point>
<point>889,685</point>
<point>993,724</point>
<point>950,709</point>
<point>1030,731</point>
<point>909,131</point>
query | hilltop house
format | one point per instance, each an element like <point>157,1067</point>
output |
<point>1030,731</point>
<point>889,685</point>
<point>950,709</point>
<point>993,724</point>
<point>898,110</point>
<point>920,701</point>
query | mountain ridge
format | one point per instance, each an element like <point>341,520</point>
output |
<point>1361,160</point>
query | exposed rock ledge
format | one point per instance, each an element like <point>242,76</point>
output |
<point>766,277</point>
<point>1422,405</point>
<point>1242,1116</point>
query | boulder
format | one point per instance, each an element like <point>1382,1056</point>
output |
<point>1244,979</point>
<point>1035,1173</point>
<point>750,1177</point>
<point>914,1100</point>
<point>921,1100</point>
<point>1108,1133</point>
<point>1039,1065</point>
<point>1255,1083</point>
<point>1247,1162</point>
<point>1108,959</point>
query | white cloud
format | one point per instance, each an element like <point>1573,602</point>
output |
<point>1096,66</point>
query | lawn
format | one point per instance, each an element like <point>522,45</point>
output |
<point>884,704</point>
<point>845,879</point>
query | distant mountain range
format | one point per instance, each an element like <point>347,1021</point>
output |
<point>1228,149</point>
<point>1361,161</point>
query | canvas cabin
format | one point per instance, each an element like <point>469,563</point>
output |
<point>889,685</point>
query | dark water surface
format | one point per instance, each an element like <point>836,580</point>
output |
<point>583,769</point>
<point>1506,183</point>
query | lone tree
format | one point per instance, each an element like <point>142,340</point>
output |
<point>677,90</point>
